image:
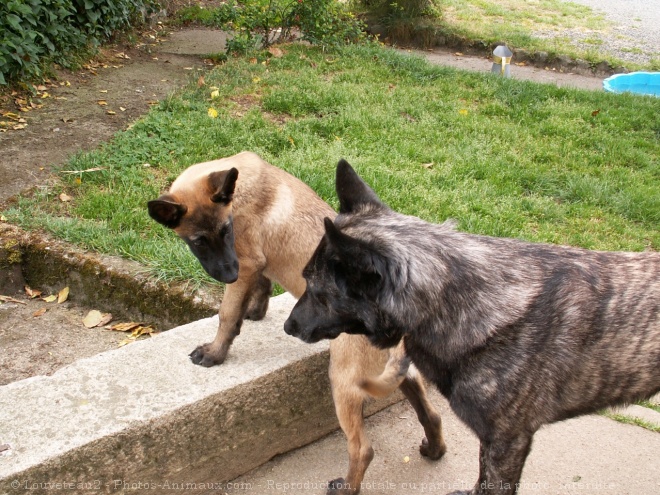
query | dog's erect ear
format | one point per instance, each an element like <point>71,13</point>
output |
<point>352,191</point>
<point>166,210</point>
<point>362,267</point>
<point>222,184</point>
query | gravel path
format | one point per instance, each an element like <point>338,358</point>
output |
<point>635,36</point>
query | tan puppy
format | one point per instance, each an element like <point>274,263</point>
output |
<point>248,223</point>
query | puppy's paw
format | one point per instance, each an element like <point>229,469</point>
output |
<point>433,451</point>
<point>339,487</point>
<point>203,356</point>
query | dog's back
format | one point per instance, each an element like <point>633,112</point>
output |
<point>275,214</point>
<point>576,329</point>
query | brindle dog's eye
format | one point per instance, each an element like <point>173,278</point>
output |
<point>197,241</point>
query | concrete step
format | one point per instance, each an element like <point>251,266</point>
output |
<point>144,413</point>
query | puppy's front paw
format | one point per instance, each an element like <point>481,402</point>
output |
<point>339,487</point>
<point>433,451</point>
<point>204,356</point>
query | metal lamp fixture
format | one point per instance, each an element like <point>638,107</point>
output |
<point>502,61</point>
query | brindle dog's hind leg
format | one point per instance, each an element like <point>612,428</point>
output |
<point>258,304</point>
<point>433,446</point>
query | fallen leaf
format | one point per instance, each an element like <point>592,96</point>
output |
<point>32,293</point>
<point>200,81</point>
<point>122,109</point>
<point>111,112</point>
<point>67,120</point>
<point>102,102</point>
<point>63,295</point>
<point>65,198</point>
<point>253,60</point>
<point>213,113</point>
<point>406,459</point>
<point>458,54</point>
<point>41,87</point>
<point>96,319</point>
<point>50,298</point>
<point>3,218</point>
<point>463,111</point>
<point>427,165</point>
<point>45,95</point>
<point>276,52</point>
<point>11,299</point>
<point>256,79</point>
<point>142,330</point>
<point>103,91</point>
<point>92,318</point>
<point>39,312</point>
<point>215,94</point>
<point>125,327</point>
<point>595,112</point>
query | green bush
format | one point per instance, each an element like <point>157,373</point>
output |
<point>34,33</point>
<point>260,23</point>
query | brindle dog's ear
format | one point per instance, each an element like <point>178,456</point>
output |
<point>222,184</point>
<point>166,211</point>
<point>352,191</point>
<point>359,267</point>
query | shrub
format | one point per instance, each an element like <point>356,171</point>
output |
<point>34,33</point>
<point>260,23</point>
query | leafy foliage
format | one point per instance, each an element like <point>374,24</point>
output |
<point>36,32</point>
<point>260,23</point>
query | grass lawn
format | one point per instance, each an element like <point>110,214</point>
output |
<point>502,157</point>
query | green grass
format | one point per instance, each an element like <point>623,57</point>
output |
<point>531,25</point>
<point>508,157</point>
<point>632,421</point>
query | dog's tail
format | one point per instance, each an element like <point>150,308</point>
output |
<point>394,373</point>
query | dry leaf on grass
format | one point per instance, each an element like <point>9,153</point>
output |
<point>49,298</point>
<point>65,198</point>
<point>39,312</point>
<point>276,52</point>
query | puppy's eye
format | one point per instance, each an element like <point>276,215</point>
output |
<point>225,229</point>
<point>197,241</point>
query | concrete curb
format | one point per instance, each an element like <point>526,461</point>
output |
<point>107,283</point>
<point>143,418</point>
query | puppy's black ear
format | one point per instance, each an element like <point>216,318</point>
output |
<point>352,191</point>
<point>166,210</point>
<point>222,184</point>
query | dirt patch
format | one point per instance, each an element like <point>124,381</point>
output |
<point>39,345</point>
<point>91,106</point>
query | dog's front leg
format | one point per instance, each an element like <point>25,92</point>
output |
<point>500,465</point>
<point>232,311</point>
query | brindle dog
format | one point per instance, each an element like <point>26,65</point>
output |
<point>514,334</point>
<point>248,223</point>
